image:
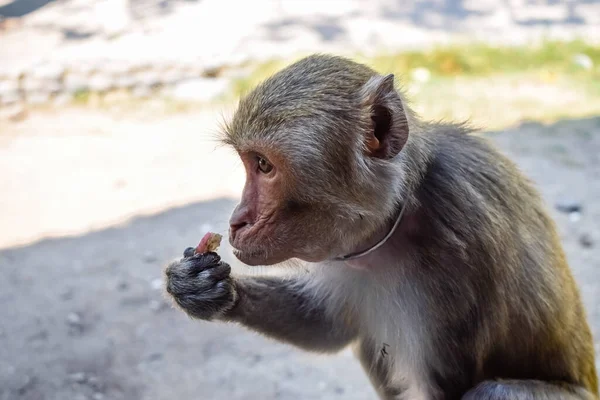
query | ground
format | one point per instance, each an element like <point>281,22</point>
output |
<point>91,217</point>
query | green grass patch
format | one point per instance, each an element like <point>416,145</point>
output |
<point>477,60</point>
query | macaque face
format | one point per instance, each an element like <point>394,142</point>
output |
<point>270,225</point>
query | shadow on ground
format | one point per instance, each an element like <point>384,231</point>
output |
<point>84,317</point>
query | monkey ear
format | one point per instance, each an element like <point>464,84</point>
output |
<point>389,128</point>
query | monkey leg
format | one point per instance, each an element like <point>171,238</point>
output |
<point>284,310</point>
<point>527,390</point>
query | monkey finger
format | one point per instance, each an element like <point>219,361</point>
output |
<point>200,262</point>
<point>189,252</point>
<point>217,273</point>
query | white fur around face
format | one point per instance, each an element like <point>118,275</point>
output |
<point>388,308</point>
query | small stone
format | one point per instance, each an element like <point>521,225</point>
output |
<point>48,71</point>
<point>77,377</point>
<point>149,257</point>
<point>13,112</point>
<point>568,206</point>
<point>98,396</point>
<point>585,240</point>
<point>31,84</point>
<point>156,283</point>
<point>122,286</point>
<point>574,216</point>
<point>338,390</point>
<point>36,98</point>
<point>200,89</point>
<point>8,86</point>
<point>74,82</point>
<point>63,99</point>
<point>148,79</point>
<point>100,83</point>
<point>155,357</point>
<point>75,323</point>
<point>141,92</point>
<point>26,383</point>
<point>125,81</point>
<point>73,318</point>
<point>94,382</point>
<point>9,98</point>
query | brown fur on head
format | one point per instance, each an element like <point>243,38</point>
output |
<point>321,144</point>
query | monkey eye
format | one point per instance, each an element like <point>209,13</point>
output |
<point>264,166</point>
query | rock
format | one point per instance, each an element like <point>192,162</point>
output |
<point>98,396</point>
<point>94,383</point>
<point>8,86</point>
<point>12,73</point>
<point>200,89</point>
<point>73,318</point>
<point>63,99</point>
<point>25,383</point>
<point>10,98</point>
<point>74,83</point>
<point>75,323</point>
<point>37,98</point>
<point>585,240</point>
<point>13,112</point>
<point>155,357</point>
<point>32,84</point>
<point>141,92</point>
<point>48,72</point>
<point>122,286</point>
<point>569,206</point>
<point>148,79</point>
<point>574,216</point>
<point>101,83</point>
<point>125,81</point>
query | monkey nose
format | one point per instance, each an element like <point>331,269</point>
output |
<point>239,219</point>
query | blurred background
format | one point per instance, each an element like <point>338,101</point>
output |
<point>109,167</point>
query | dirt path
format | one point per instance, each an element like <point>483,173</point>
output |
<point>82,317</point>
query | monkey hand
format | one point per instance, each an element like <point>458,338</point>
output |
<point>201,285</point>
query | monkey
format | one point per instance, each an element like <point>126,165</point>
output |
<point>427,251</point>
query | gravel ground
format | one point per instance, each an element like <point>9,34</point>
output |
<point>83,316</point>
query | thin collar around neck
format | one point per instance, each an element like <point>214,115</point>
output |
<point>353,256</point>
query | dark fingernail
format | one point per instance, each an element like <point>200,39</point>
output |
<point>188,252</point>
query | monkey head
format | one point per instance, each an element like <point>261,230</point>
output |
<point>321,145</point>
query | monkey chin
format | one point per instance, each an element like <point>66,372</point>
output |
<point>257,257</point>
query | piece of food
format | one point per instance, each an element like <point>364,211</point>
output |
<point>209,243</point>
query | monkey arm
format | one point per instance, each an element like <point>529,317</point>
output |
<point>281,309</point>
